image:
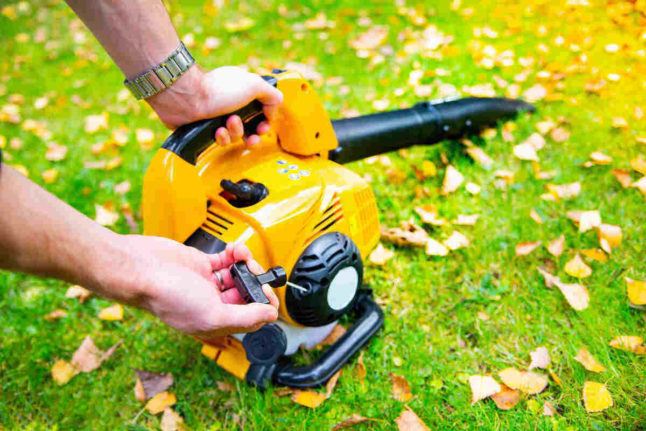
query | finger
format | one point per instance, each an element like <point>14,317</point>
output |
<point>263,128</point>
<point>219,260</point>
<point>222,136</point>
<point>253,140</point>
<point>254,266</point>
<point>231,296</point>
<point>267,93</point>
<point>241,252</point>
<point>270,111</point>
<point>271,295</point>
<point>225,276</point>
<point>244,317</point>
<point>235,128</point>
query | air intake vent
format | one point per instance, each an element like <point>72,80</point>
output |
<point>215,223</point>
<point>332,214</point>
<point>368,215</point>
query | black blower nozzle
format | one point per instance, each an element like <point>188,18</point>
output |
<point>424,124</point>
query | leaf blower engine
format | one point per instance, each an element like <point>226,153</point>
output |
<point>295,205</point>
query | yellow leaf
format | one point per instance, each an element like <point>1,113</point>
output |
<point>62,372</point>
<point>623,177</point>
<point>576,295</point>
<point>525,248</point>
<point>309,399</point>
<point>50,175</point>
<point>636,291</point>
<point>595,254</point>
<point>588,361</point>
<point>629,343</point>
<point>556,246</point>
<point>380,255</point>
<point>331,384</point>
<point>639,164</point>
<point>596,397</point>
<point>483,387</point>
<point>507,398</point>
<point>406,235</point>
<point>113,312</point>
<point>612,234</point>
<point>526,381</point>
<point>526,151</point>
<point>540,358</point>
<point>409,421</point>
<point>452,180</point>
<point>171,421</point>
<point>577,268</point>
<point>428,169</point>
<point>159,402</point>
<point>400,388</point>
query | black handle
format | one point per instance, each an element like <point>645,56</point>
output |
<point>249,285</point>
<point>190,140</point>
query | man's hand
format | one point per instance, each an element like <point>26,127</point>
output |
<point>179,286</point>
<point>197,95</point>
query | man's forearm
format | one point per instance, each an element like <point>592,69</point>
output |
<point>137,34</point>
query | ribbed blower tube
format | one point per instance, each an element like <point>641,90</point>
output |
<point>425,123</point>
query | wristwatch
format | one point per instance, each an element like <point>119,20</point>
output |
<point>161,76</point>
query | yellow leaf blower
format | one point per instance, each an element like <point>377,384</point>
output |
<point>295,205</point>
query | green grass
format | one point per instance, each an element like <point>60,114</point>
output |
<point>432,332</point>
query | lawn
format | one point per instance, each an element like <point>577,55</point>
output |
<point>476,311</point>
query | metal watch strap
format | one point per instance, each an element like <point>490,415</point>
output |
<point>161,76</point>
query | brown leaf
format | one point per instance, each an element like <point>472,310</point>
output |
<point>55,152</point>
<point>409,421</point>
<point>160,402</point>
<point>409,234</point>
<point>483,387</point>
<point>639,184</point>
<point>228,387</point>
<point>623,176</point>
<point>309,399</point>
<point>575,294</point>
<point>526,381</point>
<point>584,357</point>
<point>336,333</point>
<point>535,93</point>
<point>349,422</point>
<point>452,180</point>
<point>94,123</point>
<point>400,388</point>
<point>153,383</point>
<point>361,368</point>
<point>556,246</point>
<point>560,134</point>
<point>479,156</point>
<point>105,216</point>
<point>55,315</point>
<point>145,138</point>
<point>526,248</point>
<point>540,358</point>
<point>599,158</point>
<point>380,255</point>
<point>88,357</point>
<point>548,409</point>
<point>507,398</point>
<point>331,384</point>
<point>171,421</point>
<point>536,141</point>
<point>596,397</point>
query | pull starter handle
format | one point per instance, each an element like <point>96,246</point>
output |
<point>249,285</point>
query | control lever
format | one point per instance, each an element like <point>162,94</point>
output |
<point>249,285</point>
<point>246,193</point>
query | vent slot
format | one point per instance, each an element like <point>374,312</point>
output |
<point>215,223</point>
<point>368,215</point>
<point>332,214</point>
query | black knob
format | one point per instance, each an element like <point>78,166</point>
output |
<point>249,285</point>
<point>265,345</point>
<point>246,193</point>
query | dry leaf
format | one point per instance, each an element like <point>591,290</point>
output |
<point>380,255</point>
<point>483,387</point>
<point>228,387</point>
<point>595,254</point>
<point>309,399</point>
<point>560,134</point>
<point>331,384</point>
<point>94,123</point>
<point>406,235</point>
<point>435,248</point>
<point>104,216</point>
<point>428,169</point>
<point>623,177</point>
<point>456,241</point>
<point>526,151</point>
<point>544,127</point>
<point>79,292</point>
<point>400,388</point>
<point>588,361</point>
<point>160,402</point>
<point>629,343</point>
<point>548,409</point>
<point>55,315</point>
<point>535,93</point>
<point>596,397</point>
<point>577,268</point>
<point>428,214</point>
<point>153,383</point>
<point>636,291</point>
<point>62,372</point>
<point>55,152</point>
<point>361,368</point>
<point>564,191</point>
<point>88,357</point>
<point>639,164</point>
<point>589,220</point>
<point>122,188</point>
<point>349,422</point>
<point>370,39</point>
<point>535,216</point>
<point>171,421</point>
<point>409,421</point>
<point>140,394</point>
<point>466,219</point>
<point>599,158</point>
<point>612,234</point>
<point>525,381</point>
<point>480,156</point>
<point>336,333</point>
<point>540,358</point>
<point>575,294</point>
<point>525,248</point>
<point>113,312</point>
<point>639,184</point>
<point>507,398</point>
<point>556,246</point>
<point>49,175</point>
<point>472,188</point>
<point>536,141</point>
<point>452,180</point>
<point>145,138</point>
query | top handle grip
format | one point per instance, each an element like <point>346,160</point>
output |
<point>190,140</point>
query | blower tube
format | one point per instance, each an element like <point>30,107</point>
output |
<point>425,123</point>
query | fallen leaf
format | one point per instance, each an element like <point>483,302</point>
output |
<point>55,152</point>
<point>104,216</point>
<point>55,315</point>
<point>548,409</point>
<point>361,368</point>
<point>466,219</point>
<point>428,214</point>
<point>79,292</point>
<point>456,241</point>
<point>560,134</point>
<point>535,216</point>
<point>575,294</point>
<point>540,358</point>
<point>336,333</point>
<point>309,399</point>
<point>88,357</point>
<point>483,387</point>
<point>589,220</point>
<point>599,158</point>
<point>639,164</point>
<point>588,361</point>
<point>380,255</point>
<point>331,384</point>
<point>595,254</point>
<point>370,39</point>
<point>536,141</point>
<point>525,381</point>
<point>623,176</point>
<point>171,421</point>
<point>544,127</point>
<point>472,188</point>
<point>140,394</point>
<point>629,343</point>
<point>526,151</point>
<point>452,180</point>
<point>564,191</point>
<point>153,383</point>
<point>94,123</point>
<point>556,246</point>
<point>409,421</point>
<point>577,268</point>
<point>160,402</point>
<point>639,184</point>
<point>596,397</point>
<point>400,388</point>
<point>228,387</point>
<point>50,175</point>
<point>240,24</point>
<point>507,398</point>
<point>435,248</point>
<point>525,248</point>
<point>122,188</point>
<point>535,93</point>
<point>406,235</point>
<point>479,156</point>
<point>636,291</point>
<point>113,312</point>
<point>349,422</point>
<point>612,234</point>
<point>62,372</point>
<point>145,138</point>
<point>428,169</point>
